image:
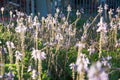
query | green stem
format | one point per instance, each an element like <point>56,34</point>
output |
<point>23,52</point>
<point>73,74</point>
<point>2,62</point>
<point>40,69</point>
<point>68,16</point>
<point>100,44</point>
<point>36,42</point>
<point>18,69</point>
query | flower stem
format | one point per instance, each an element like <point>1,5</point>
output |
<point>23,52</point>
<point>100,44</point>
<point>40,69</point>
<point>18,69</point>
<point>1,62</point>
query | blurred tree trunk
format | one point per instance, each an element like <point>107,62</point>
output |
<point>49,7</point>
<point>27,6</point>
<point>32,7</point>
<point>41,7</point>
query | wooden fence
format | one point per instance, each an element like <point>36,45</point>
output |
<point>90,6</point>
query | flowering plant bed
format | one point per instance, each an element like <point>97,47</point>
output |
<point>53,48</point>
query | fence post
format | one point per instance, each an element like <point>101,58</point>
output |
<point>28,6</point>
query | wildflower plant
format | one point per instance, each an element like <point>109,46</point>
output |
<point>10,46</point>
<point>103,30</point>
<point>96,72</point>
